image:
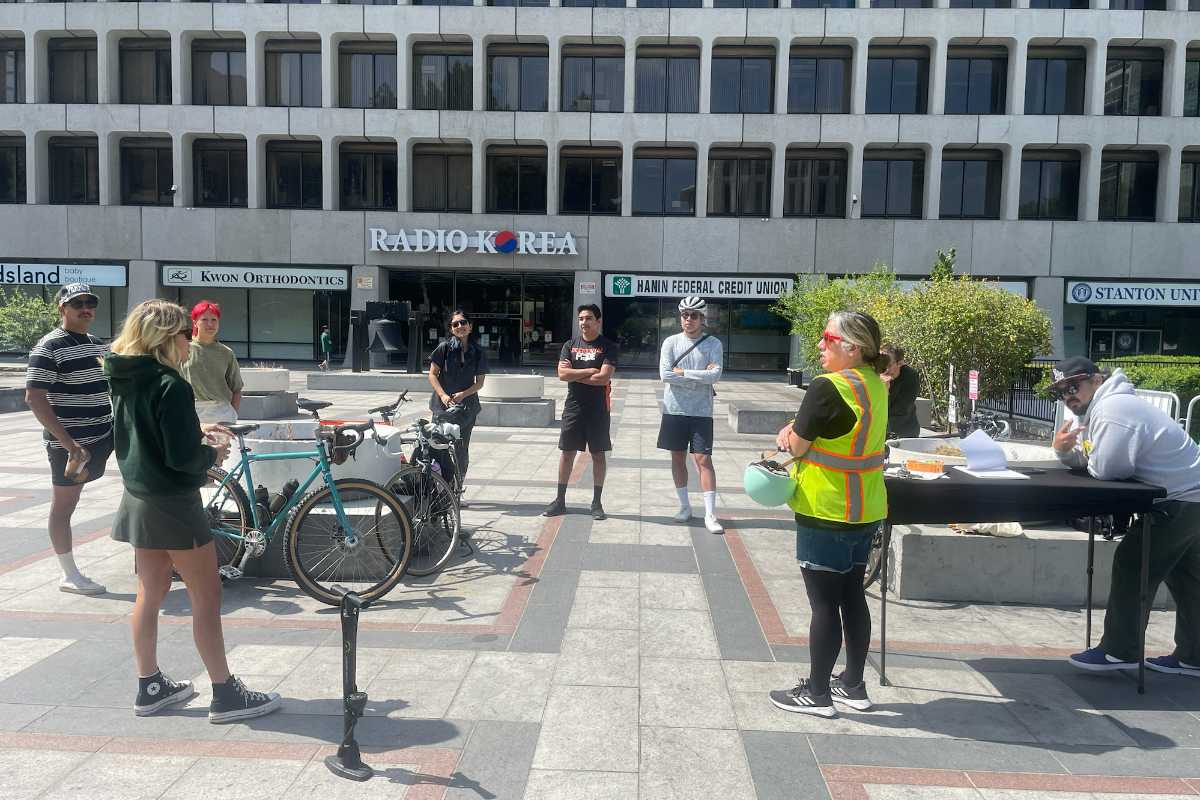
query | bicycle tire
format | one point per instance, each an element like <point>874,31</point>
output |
<point>239,517</point>
<point>366,567</point>
<point>874,562</point>
<point>436,527</point>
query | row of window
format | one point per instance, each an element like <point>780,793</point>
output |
<point>666,78</point>
<point>664,180</point>
<point>1135,5</point>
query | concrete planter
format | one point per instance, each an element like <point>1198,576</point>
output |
<point>513,388</point>
<point>261,381</point>
<point>1021,455</point>
<point>369,461</point>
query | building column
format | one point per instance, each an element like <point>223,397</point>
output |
<point>1010,189</point>
<point>181,69</point>
<point>701,178</point>
<point>1018,61</point>
<point>854,171</point>
<point>581,277</point>
<point>705,98</point>
<point>180,147</point>
<point>331,198</point>
<point>778,179</point>
<point>256,164</point>
<point>109,167</point>
<point>479,101</point>
<point>782,71</point>
<point>108,68</point>
<point>1048,293</point>
<point>145,282</point>
<point>1174,67</point>
<point>552,188</point>
<point>1089,189</point>
<point>936,103</point>
<point>478,177</point>
<point>858,93</point>
<point>37,169</point>
<point>256,71</point>
<point>1097,60</point>
<point>626,180</point>
<point>933,182</point>
<point>1170,164</point>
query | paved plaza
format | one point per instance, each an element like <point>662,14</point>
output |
<point>565,659</point>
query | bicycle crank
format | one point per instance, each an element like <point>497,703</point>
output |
<point>255,542</point>
<point>230,573</point>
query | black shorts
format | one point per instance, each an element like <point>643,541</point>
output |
<point>585,427</point>
<point>100,451</point>
<point>678,433</point>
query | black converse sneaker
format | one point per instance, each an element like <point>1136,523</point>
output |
<point>853,696</point>
<point>233,702</point>
<point>803,701</point>
<point>159,691</point>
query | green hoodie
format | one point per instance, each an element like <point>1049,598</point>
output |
<point>157,432</point>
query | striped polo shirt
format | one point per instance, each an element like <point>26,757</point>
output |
<point>69,366</point>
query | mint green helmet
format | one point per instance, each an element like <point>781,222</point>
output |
<point>767,487</point>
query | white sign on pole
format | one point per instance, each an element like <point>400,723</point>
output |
<point>974,384</point>
<point>951,409</point>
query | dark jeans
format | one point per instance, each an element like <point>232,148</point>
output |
<point>462,447</point>
<point>1174,560</point>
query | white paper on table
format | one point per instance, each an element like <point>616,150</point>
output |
<point>994,474</point>
<point>982,453</point>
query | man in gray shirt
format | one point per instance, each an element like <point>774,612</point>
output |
<point>689,365</point>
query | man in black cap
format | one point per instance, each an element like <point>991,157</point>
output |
<point>1116,436</point>
<point>66,390</point>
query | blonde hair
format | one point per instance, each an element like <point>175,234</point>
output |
<point>150,329</point>
<point>862,331</point>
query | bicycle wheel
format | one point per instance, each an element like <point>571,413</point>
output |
<point>873,558</point>
<point>228,511</point>
<point>433,508</point>
<point>368,558</point>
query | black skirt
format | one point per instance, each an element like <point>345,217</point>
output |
<point>164,521</point>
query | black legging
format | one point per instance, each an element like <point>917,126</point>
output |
<point>463,446</point>
<point>839,603</point>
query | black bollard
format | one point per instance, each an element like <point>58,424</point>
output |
<point>348,761</point>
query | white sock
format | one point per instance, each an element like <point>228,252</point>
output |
<point>710,503</point>
<point>683,498</point>
<point>67,562</point>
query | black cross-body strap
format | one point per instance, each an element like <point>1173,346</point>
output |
<point>690,349</point>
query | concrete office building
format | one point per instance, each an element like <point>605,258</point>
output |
<point>294,161</point>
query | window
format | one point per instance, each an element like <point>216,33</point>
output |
<point>219,173</point>
<point>976,78</point>
<point>902,4</point>
<point>593,3</point>
<point>971,184</point>
<point>294,73</point>
<point>892,184</point>
<point>516,180</point>
<point>1049,185</point>
<point>442,2</point>
<point>442,178</point>
<point>1058,3</point>
<point>1129,185</point>
<point>814,183</point>
<point>291,2</point>
<point>12,169</point>
<point>668,3</point>
<point>146,71</point>
<point>591,180</point>
<point>819,80</point>
<point>1191,85</point>
<point>1138,5</point>
<point>74,170</point>
<point>518,78</point>
<point>896,80</point>
<point>1132,84</point>
<point>364,2</point>
<point>367,75</point>
<point>667,80</point>
<point>823,4</point>
<point>1189,186</point>
<point>980,4</point>
<point>1054,80</point>
<point>739,183</point>
<point>12,71</point>
<point>442,76</point>
<point>218,73</point>
<point>294,175</point>
<point>744,3</point>
<point>72,70</point>
<point>146,174</point>
<point>664,182</point>
<point>743,80</point>
<point>593,79</point>
<point>369,177</point>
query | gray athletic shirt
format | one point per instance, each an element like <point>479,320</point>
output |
<point>690,394</point>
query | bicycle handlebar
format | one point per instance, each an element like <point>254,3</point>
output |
<point>359,429</point>
<point>390,407</point>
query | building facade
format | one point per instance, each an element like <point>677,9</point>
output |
<point>293,161</point>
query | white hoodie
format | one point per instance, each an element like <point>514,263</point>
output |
<point>1126,437</point>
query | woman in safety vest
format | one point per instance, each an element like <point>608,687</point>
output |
<point>837,439</point>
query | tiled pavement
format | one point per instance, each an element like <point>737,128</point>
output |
<point>566,659</point>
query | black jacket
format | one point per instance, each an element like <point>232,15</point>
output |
<point>902,404</point>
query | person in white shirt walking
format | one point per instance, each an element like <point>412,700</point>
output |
<point>689,365</point>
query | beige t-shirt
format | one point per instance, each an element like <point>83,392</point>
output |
<point>212,370</point>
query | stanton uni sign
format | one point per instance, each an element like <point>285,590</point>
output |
<point>1104,293</point>
<point>423,240</point>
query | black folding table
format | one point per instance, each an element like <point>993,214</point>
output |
<point>1052,494</point>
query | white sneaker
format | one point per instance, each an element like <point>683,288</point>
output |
<point>684,514</point>
<point>710,522</point>
<point>80,584</point>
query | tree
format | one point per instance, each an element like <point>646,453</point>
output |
<point>25,318</point>
<point>943,265</point>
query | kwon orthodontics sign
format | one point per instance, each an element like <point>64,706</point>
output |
<point>709,286</point>
<point>256,277</point>
<point>423,240</point>
<point>1105,293</point>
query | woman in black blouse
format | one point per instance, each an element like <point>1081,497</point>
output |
<point>457,370</point>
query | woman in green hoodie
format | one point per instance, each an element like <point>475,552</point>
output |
<point>164,454</point>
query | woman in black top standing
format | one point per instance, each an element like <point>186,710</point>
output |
<point>457,370</point>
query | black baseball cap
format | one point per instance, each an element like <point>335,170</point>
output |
<point>72,290</point>
<point>1068,368</point>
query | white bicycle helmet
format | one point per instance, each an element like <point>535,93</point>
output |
<point>693,303</point>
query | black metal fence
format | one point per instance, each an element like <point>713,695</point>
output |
<point>1023,399</point>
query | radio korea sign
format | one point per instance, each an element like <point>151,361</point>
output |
<point>422,240</point>
<point>710,286</point>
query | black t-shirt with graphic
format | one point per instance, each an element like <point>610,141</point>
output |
<point>583,354</point>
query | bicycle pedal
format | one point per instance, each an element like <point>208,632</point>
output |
<point>230,573</point>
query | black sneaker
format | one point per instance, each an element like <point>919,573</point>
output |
<point>803,701</point>
<point>159,691</point>
<point>853,696</point>
<point>598,511</point>
<point>233,702</point>
<point>556,509</point>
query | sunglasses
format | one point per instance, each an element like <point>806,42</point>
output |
<point>829,338</point>
<point>1067,391</point>
<point>695,315</point>
<point>459,323</point>
<point>187,332</point>
<point>77,303</point>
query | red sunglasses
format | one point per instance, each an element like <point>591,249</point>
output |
<point>827,338</point>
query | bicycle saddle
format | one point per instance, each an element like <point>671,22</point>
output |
<point>242,428</point>
<point>313,405</point>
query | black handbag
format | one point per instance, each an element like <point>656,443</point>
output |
<point>457,414</point>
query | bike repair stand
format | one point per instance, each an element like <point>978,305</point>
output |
<point>348,761</point>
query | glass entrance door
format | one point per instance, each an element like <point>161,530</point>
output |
<point>1124,343</point>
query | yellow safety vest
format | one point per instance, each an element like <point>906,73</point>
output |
<point>842,479</point>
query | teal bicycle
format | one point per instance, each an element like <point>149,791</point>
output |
<point>350,532</point>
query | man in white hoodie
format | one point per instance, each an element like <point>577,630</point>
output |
<point>1117,436</point>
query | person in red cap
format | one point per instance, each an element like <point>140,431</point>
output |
<point>1117,436</point>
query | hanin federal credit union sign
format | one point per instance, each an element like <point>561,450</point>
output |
<point>255,277</point>
<point>707,286</point>
<point>61,274</point>
<point>422,240</point>
<point>1107,293</point>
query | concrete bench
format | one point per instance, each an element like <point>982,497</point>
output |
<point>12,400</point>
<point>392,382</point>
<point>268,405</point>
<point>523,414</point>
<point>760,417</point>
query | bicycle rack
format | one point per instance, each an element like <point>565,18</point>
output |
<point>348,761</point>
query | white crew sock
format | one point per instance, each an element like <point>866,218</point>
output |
<point>67,562</point>
<point>710,503</point>
<point>683,498</point>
